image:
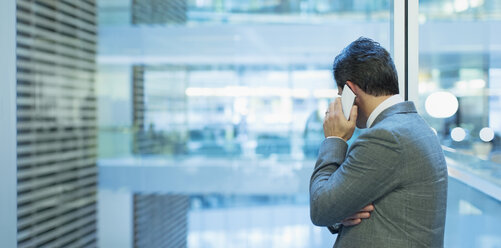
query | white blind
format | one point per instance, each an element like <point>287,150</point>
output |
<point>57,174</point>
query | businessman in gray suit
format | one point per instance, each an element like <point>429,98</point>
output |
<point>394,172</point>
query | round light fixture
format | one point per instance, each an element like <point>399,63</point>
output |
<point>458,134</point>
<point>441,104</point>
<point>486,134</point>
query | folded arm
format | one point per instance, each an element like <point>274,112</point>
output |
<point>340,187</point>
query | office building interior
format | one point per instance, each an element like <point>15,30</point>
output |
<point>196,123</point>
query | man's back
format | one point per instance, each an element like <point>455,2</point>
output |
<point>396,168</point>
<point>411,213</point>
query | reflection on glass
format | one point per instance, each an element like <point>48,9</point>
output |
<point>215,12</point>
<point>459,80</point>
<point>459,96</point>
<point>221,102</point>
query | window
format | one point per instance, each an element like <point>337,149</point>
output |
<point>220,104</point>
<point>459,96</point>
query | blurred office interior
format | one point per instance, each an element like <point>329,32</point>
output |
<point>196,123</point>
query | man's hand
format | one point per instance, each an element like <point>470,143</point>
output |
<point>335,124</point>
<point>356,219</point>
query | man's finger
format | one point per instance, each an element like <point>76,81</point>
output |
<point>368,208</point>
<point>338,106</point>
<point>334,105</point>
<point>354,113</point>
<point>351,222</point>
<point>360,215</point>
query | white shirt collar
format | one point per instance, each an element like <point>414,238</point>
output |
<point>392,100</point>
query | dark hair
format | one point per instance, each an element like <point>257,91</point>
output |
<point>367,64</point>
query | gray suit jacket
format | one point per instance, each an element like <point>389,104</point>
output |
<point>397,164</point>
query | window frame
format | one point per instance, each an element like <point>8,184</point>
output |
<point>8,130</point>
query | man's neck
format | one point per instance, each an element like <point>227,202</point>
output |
<point>371,103</point>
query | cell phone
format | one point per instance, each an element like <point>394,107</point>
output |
<point>347,101</point>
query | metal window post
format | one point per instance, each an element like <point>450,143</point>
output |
<point>405,31</point>
<point>8,151</point>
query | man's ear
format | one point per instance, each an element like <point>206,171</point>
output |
<point>353,87</point>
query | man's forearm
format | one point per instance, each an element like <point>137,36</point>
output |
<point>331,155</point>
<point>339,187</point>
<point>321,209</point>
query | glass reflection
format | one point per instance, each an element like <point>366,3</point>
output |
<point>464,69</point>
<point>458,58</point>
<point>210,95</point>
<point>222,103</point>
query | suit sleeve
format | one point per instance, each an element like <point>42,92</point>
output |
<point>343,184</point>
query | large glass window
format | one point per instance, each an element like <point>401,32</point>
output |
<point>459,95</point>
<point>205,116</point>
<point>220,102</point>
<point>460,74</point>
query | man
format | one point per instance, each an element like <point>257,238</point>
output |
<point>395,168</point>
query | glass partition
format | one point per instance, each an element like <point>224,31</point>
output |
<point>218,106</point>
<point>459,77</point>
<point>208,116</point>
<point>460,97</point>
